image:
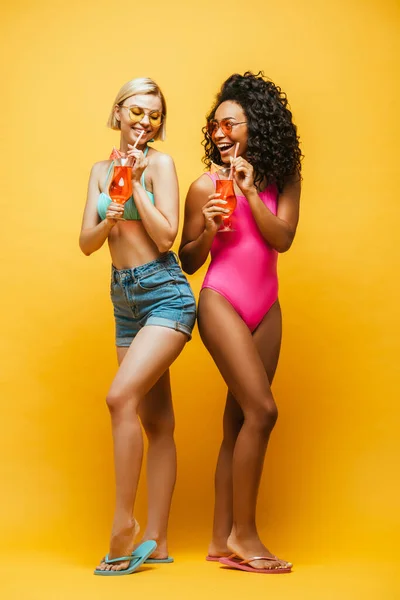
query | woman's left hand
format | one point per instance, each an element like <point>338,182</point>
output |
<point>243,174</point>
<point>140,163</point>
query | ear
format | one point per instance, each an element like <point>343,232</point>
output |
<point>117,112</point>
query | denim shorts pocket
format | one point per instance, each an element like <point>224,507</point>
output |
<point>155,280</point>
<point>179,277</point>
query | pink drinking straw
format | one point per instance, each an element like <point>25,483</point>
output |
<point>234,156</point>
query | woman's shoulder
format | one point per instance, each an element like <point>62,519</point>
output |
<point>204,183</point>
<point>100,167</point>
<point>98,174</point>
<point>199,190</point>
<point>160,159</point>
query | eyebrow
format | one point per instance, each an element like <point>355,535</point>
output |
<point>142,107</point>
<point>225,119</point>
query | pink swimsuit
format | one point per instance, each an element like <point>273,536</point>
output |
<point>243,265</point>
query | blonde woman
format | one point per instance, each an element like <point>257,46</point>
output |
<point>154,311</point>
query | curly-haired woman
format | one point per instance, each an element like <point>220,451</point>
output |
<point>249,127</point>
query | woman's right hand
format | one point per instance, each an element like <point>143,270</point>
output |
<point>114,213</point>
<point>213,212</point>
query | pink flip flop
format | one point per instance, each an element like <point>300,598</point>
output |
<point>213,558</point>
<point>235,562</point>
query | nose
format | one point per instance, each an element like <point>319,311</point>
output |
<point>218,134</point>
<point>145,120</point>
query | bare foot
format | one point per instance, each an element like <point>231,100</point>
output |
<point>162,546</point>
<point>248,547</point>
<point>218,548</point>
<point>121,544</point>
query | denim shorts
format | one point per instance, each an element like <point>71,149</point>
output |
<point>156,293</point>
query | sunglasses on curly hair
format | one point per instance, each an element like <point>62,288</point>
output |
<point>226,126</point>
<point>137,114</point>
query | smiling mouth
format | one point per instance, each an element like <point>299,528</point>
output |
<point>225,147</point>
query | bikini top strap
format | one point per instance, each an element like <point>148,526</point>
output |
<point>108,173</point>
<point>145,153</point>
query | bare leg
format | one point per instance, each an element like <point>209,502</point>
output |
<point>223,507</point>
<point>267,339</point>
<point>157,416</point>
<point>234,351</point>
<point>149,356</point>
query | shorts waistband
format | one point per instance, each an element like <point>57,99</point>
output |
<point>166,260</point>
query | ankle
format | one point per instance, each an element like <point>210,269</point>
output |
<point>125,525</point>
<point>160,538</point>
<point>244,531</point>
<point>219,539</point>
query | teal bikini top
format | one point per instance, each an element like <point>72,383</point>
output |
<point>131,213</point>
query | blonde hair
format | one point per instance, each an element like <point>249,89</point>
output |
<point>140,85</point>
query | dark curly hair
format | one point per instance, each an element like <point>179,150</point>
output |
<point>273,144</point>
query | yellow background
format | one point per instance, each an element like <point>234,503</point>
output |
<point>330,489</point>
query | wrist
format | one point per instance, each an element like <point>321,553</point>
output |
<point>108,224</point>
<point>251,193</point>
<point>209,234</point>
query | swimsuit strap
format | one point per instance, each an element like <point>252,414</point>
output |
<point>212,176</point>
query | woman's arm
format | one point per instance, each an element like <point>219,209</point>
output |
<point>161,219</point>
<point>203,215</point>
<point>93,231</point>
<point>278,230</point>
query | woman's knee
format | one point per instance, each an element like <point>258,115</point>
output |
<point>263,414</point>
<point>118,401</point>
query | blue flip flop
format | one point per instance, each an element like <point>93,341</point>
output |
<point>136,559</point>
<point>159,561</point>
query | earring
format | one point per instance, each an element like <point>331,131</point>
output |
<point>152,140</point>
